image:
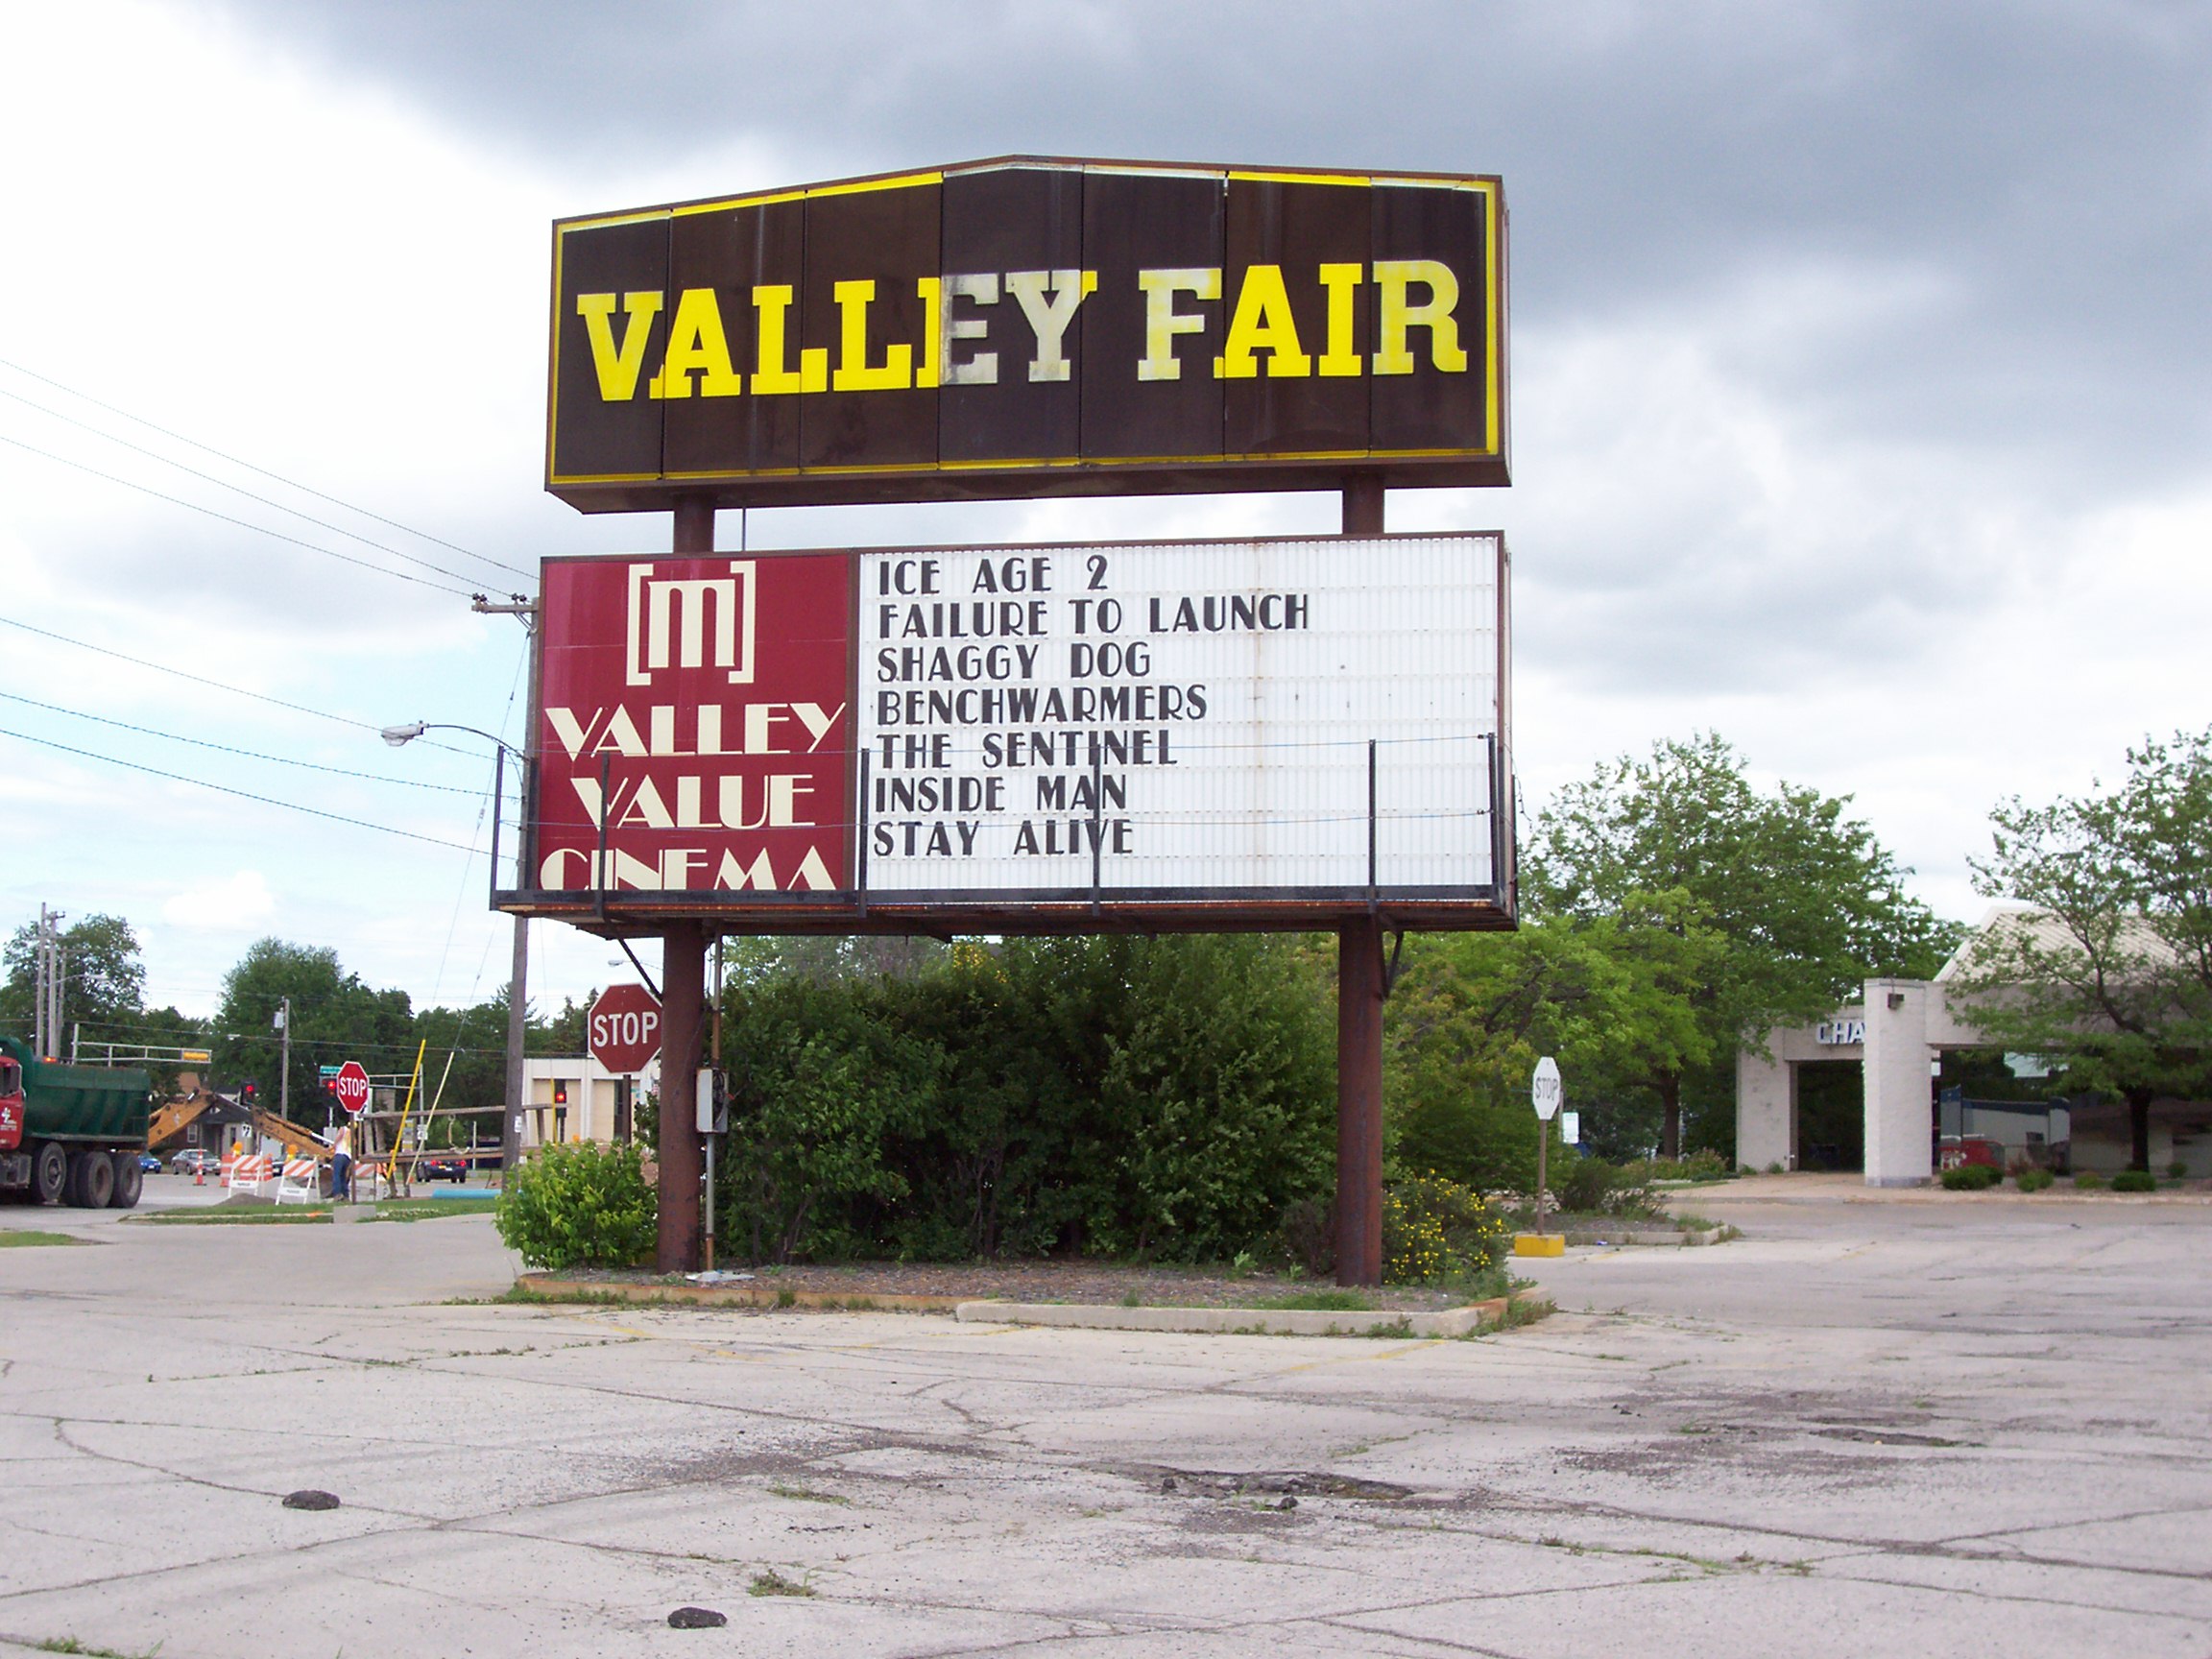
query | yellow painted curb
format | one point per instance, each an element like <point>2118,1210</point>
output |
<point>1539,1243</point>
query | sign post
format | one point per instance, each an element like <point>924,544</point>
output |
<point>1545,1094</point>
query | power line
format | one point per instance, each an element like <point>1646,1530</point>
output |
<point>226,749</point>
<point>235,461</point>
<point>248,524</point>
<point>241,794</point>
<point>217,684</point>
<point>264,500</point>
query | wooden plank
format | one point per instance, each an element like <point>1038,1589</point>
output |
<point>888,235</point>
<point>733,251</point>
<point>604,424</point>
<point>1432,408</point>
<point>1001,221</point>
<point>1134,223</point>
<point>1311,397</point>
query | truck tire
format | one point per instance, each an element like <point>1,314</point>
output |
<point>91,1180</point>
<point>49,1172</point>
<point>129,1181</point>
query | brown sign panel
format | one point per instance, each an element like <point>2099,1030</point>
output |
<point>1030,328</point>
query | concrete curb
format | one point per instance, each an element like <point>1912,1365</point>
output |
<point>1242,1321</point>
<point>735,1296</point>
<point>1080,1315</point>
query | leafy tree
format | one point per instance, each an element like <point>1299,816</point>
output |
<point>1610,997</point>
<point>1803,898</point>
<point>476,1039</point>
<point>334,1016</point>
<point>2111,969</point>
<point>830,957</point>
<point>104,981</point>
<point>565,1033</point>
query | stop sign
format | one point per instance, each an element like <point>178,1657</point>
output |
<point>625,1028</point>
<point>352,1087</point>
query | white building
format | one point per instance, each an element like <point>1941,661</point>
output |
<point>573,1097</point>
<point>1897,1036</point>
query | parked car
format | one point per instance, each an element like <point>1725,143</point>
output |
<point>193,1160</point>
<point>149,1164</point>
<point>442,1167</point>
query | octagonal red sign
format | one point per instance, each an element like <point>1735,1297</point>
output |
<point>625,1030</point>
<point>352,1087</point>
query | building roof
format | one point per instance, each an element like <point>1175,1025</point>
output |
<point>2046,932</point>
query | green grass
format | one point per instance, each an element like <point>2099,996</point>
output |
<point>269,1217</point>
<point>1400,1329</point>
<point>430,1209</point>
<point>802,1494</point>
<point>770,1582</point>
<point>1319,1301</point>
<point>15,1238</point>
<point>70,1644</point>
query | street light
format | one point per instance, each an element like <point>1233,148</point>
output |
<point>518,1023</point>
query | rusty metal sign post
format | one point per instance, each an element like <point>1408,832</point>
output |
<point>829,743</point>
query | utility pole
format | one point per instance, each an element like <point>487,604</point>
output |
<point>524,610</point>
<point>39,987</point>
<point>46,960</point>
<point>284,1066</point>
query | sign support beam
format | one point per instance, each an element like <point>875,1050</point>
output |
<point>684,1003</point>
<point>1360,1103</point>
<point>1359,990</point>
<point>684,978</point>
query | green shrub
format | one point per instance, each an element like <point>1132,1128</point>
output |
<point>2134,1181</point>
<point>2035,1180</point>
<point>1435,1231</point>
<point>2178,1170</point>
<point>1169,1097</point>
<point>580,1205</point>
<point>1592,1187</point>
<point>1585,1186</point>
<point>2088,1181</point>
<point>1972,1178</point>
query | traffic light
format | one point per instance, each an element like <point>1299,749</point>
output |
<point>249,1090</point>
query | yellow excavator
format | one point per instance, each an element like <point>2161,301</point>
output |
<point>173,1116</point>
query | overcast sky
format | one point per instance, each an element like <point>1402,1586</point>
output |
<point>1859,359</point>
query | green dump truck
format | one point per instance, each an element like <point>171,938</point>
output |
<point>70,1134</point>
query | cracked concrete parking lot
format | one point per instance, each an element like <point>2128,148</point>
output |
<point>1958,1425</point>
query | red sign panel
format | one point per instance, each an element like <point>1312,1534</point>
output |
<point>625,1032</point>
<point>352,1087</point>
<point>695,729</point>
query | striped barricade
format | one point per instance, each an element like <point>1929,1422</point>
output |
<point>302,1179</point>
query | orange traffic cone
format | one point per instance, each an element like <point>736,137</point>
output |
<point>200,1173</point>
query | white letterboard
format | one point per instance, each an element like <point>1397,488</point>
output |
<point>1194,718</point>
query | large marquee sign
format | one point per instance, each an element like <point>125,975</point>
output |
<point>1029,327</point>
<point>1217,735</point>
